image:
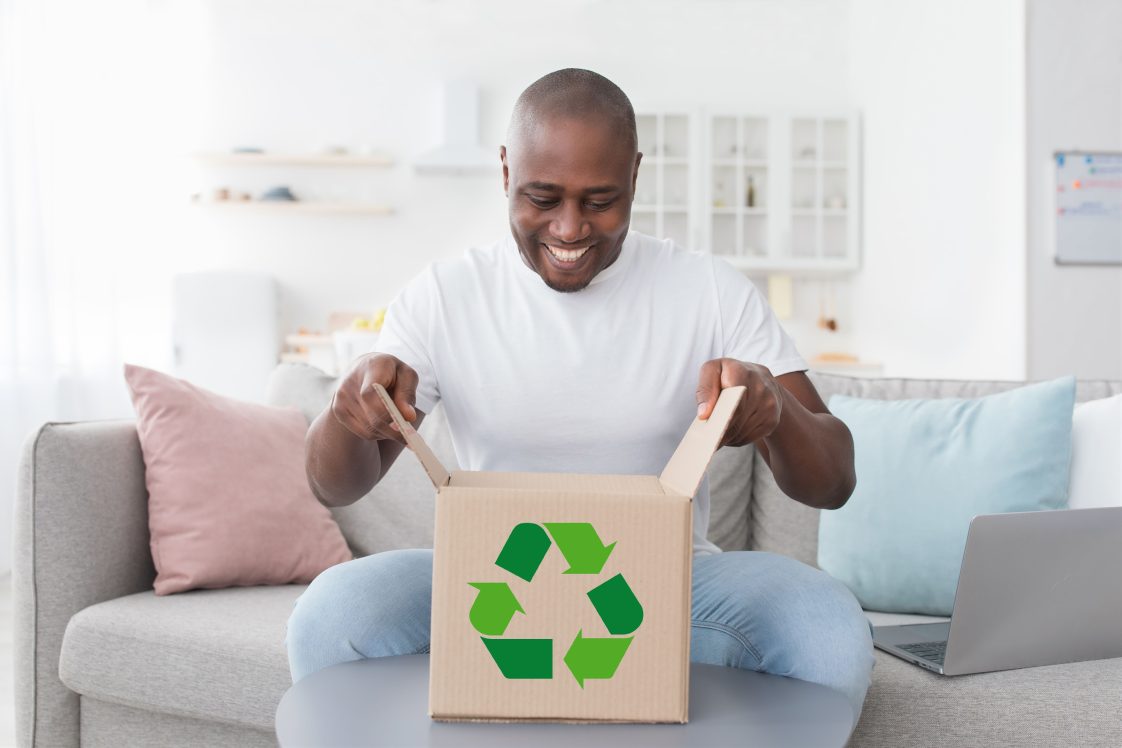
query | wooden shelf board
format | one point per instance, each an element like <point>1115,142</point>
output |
<point>296,206</point>
<point>795,265</point>
<point>293,159</point>
<point>751,163</point>
<point>295,339</point>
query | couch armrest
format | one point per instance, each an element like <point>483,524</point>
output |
<point>81,537</point>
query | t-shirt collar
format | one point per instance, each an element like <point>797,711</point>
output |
<point>626,252</point>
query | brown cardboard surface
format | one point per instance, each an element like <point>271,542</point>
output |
<point>648,524</point>
<point>653,552</point>
<point>686,467</point>
<point>437,473</point>
<point>626,484</point>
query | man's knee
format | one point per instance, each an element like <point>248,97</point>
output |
<point>368,607</point>
<point>800,621</point>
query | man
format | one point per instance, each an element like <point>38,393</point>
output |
<point>577,346</point>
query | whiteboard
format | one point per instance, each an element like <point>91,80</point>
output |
<point>1088,208</point>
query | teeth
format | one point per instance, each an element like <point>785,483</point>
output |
<point>566,255</point>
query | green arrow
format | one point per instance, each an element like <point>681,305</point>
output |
<point>522,658</point>
<point>524,550</point>
<point>493,608</point>
<point>617,606</point>
<point>595,658</point>
<point>581,546</point>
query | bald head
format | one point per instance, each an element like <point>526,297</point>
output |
<point>576,94</point>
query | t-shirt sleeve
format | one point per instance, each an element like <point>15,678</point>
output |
<point>407,334</point>
<point>751,331</point>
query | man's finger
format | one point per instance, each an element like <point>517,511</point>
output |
<point>405,392</point>
<point>382,372</point>
<point>708,388</point>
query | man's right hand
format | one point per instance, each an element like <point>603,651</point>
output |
<point>359,409</point>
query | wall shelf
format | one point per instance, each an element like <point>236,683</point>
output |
<point>295,207</point>
<point>292,159</point>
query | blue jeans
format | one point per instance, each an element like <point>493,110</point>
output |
<point>751,610</point>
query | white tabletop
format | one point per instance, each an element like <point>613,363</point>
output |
<point>384,702</point>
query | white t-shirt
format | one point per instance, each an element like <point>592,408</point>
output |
<point>598,381</point>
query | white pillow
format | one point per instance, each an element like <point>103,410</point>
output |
<point>1096,454</point>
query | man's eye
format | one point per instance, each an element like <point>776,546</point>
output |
<point>600,206</point>
<point>542,202</point>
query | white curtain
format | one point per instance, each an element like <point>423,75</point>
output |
<point>81,189</point>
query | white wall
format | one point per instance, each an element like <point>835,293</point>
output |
<point>283,77</point>
<point>941,292</point>
<point>1074,102</point>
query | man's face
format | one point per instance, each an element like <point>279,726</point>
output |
<point>570,184</point>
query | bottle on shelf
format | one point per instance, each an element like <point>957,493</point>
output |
<point>750,200</point>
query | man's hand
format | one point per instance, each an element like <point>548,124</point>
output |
<point>760,408</point>
<point>810,452</point>
<point>359,409</point>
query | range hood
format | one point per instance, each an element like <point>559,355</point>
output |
<point>461,152</point>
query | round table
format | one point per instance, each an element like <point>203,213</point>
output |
<point>384,702</point>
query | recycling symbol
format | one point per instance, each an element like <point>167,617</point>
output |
<point>496,604</point>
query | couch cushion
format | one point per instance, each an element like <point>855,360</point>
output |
<point>207,654</point>
<point>1096,447</point>
<point>228,501</point>
<point>780,525</point>
<point>926,467</point>
<point>1055,706</point>
<point>398,512</point>
<point>730,493</point>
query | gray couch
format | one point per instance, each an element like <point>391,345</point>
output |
<point>100,661</point>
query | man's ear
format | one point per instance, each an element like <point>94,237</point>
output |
<point>506,170</point>
<point>635,173</point>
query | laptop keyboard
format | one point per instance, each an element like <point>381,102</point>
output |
<point>933,651</point>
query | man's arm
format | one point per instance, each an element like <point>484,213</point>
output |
<point>352,444</point>
<point>341,467</point>
<point>810,452</point>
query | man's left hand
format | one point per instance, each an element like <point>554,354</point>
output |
<point>760,408</point>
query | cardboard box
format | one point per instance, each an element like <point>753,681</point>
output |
<point>564,597</point>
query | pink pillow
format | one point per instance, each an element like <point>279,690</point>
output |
<point>228,500</point>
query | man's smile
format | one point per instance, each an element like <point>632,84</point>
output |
<point>566,259</point>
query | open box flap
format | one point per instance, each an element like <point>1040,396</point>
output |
<point>687,465</point>
<point>436,472</point>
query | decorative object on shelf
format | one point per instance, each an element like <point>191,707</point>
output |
<point>348,336</point>
<point>281,192</point>
<point>282,198</point>
<point>780,295</point>
<point>719,195</point>
<point>827,321</point>
<point>750,200</point>
<point>221,194</point>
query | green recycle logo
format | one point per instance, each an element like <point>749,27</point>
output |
<point>522,554</point>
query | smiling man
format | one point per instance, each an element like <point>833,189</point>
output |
<point>577,345</point>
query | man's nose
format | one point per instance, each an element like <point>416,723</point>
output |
<point>570,226</point>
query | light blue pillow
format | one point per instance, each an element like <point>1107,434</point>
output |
<point>924,469</point>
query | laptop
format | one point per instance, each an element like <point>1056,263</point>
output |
<point>1035,588</point>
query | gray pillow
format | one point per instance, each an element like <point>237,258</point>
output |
<point>730,492</point>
